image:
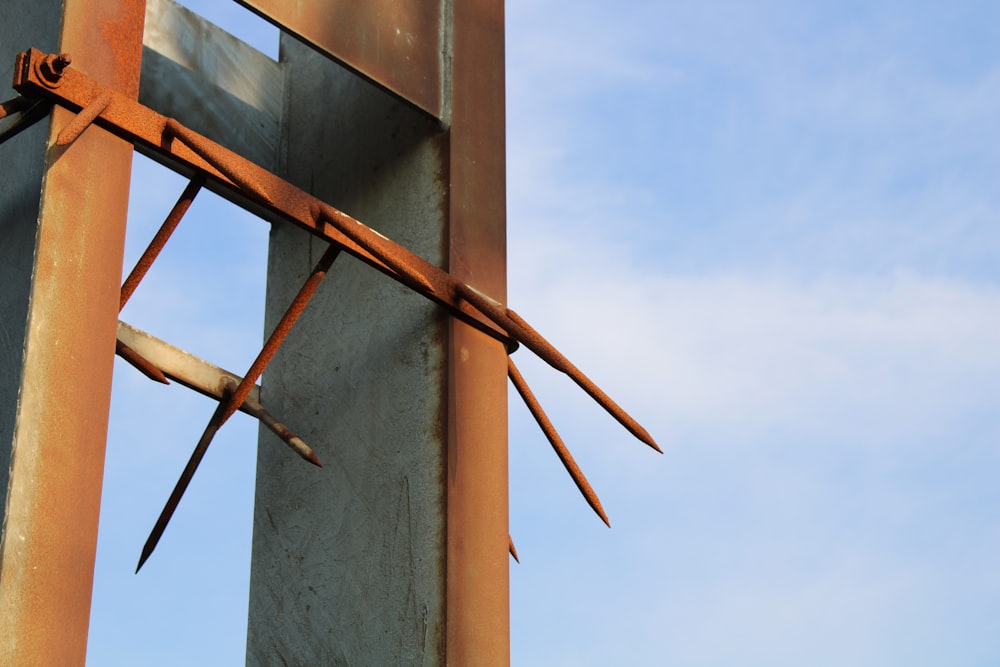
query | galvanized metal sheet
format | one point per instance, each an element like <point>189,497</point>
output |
<point>395,44</point>
<point>212,82</point>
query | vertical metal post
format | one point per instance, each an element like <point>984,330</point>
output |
<point>62,218</point>
<point>396,551</point>
<point>478,599</point>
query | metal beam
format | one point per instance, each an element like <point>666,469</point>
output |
<point>397,45</point>
<point>478,595</point>
<point>406,526</point>
<point>63,228</point>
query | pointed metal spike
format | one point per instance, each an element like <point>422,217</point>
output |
<point>556,441</point>
<point>281,330</point>
<point>523,332</point>
<point>379,246</point>
<point>160,238</point>
<point>143,365</point>
<point>84,119</point>
<point>183,481</point>
<point>230,165</point>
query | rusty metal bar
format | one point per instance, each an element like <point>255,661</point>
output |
<point>74,204</point>
<point>137,123</point>
<point>160,238</point>
<point>395,44</point>
<point>143,126</point>
<point>185,479</point>
<point>478,566</point>
<point>234,397</point>
<point>557,443</point>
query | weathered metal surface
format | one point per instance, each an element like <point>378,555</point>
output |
<point>395,44</point>
<point>254,185</point>
<point>348,561</point>
<point>212,82</point>
<point>478,596</point>
<point>61,325</point>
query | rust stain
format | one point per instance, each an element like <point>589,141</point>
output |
<point>122,31</point>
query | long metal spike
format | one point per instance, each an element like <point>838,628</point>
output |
<point>548,352</point>
<point>512,549</point>
<point>524,333</point>
<point>182,484</point>
<point>140,362</point>
<point>160,238</point>
<point>557,442</point>
<point>281,330</point>
<point>393,256</point>
<point>84,119</point>
<point>218,158</point>
<point>232,401</point>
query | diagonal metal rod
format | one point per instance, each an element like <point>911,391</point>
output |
<point>232,401</point>
<point>512,549</point>
<point>524,333</point>
<point>140,362</point>
<point>15,105</point>
<point>281,330</point>
<point>557,443</point>
<point>182,483</point>
<point>394,256</point>
<point>84,119</point>
<point>28,113</point>
<point>160,238</point>
<point>219,158</point>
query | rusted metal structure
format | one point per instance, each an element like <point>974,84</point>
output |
<point>397,553</point>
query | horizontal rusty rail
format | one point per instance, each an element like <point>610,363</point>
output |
<point>36,77</point>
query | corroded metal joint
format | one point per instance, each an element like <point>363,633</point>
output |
<point>50,68</point>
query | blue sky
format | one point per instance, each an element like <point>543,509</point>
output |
<point>769,230</point>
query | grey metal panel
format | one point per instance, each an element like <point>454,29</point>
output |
<point>348,561</point>
<point>398,45</point>
<point>212,82</point>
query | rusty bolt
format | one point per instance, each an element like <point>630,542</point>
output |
<point>51,68</point>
